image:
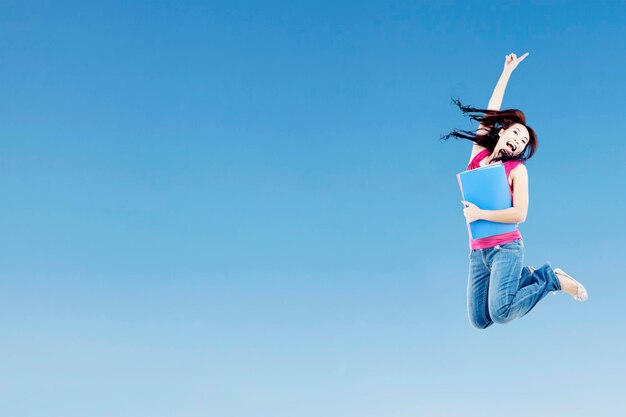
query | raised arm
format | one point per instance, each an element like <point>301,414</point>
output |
<point>495,102</point>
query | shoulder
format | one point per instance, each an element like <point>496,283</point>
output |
<point>519,166</point>
<point>475,161</point>
<point>519,171</point>
<point>476,150</point>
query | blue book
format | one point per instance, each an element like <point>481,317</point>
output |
<point>488,188</point>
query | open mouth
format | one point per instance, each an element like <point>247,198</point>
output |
<point>511,146</point>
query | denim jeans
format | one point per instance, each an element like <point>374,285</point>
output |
<point>500,288</point>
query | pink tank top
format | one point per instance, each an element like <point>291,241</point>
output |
<point>490,241</point>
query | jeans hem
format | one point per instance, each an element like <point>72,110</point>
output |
<point>555,279</point>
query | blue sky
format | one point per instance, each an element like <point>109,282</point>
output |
<point>244,209</point>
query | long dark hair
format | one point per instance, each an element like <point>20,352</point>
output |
<point>494,120</point>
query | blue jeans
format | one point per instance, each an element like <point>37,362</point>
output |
<point>500,289</point>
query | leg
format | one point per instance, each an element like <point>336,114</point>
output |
<point>478,291</point>
<point>515,290</point>
<point>527,275</point>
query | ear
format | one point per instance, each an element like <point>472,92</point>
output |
<point>500,131</point>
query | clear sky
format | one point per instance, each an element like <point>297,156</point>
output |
<point>244,209</point>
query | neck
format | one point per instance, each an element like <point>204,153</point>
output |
<point>489,158</point>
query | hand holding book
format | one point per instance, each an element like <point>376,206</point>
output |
<point>471,212</point>
<point>486,193</point>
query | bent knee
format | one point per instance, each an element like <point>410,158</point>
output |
<point>501,314</point>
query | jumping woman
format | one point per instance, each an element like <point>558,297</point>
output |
<point>499,287</point>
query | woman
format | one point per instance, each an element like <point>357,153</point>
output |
<point>499,288</point>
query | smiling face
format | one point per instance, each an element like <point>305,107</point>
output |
<point>512,141</point>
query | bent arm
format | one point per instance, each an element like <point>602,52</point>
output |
<point>517,213</point>
<point>510,215</point>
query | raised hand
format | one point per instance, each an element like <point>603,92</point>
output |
<point>511,61</point>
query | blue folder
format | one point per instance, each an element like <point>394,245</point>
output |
<point>488,188</point>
